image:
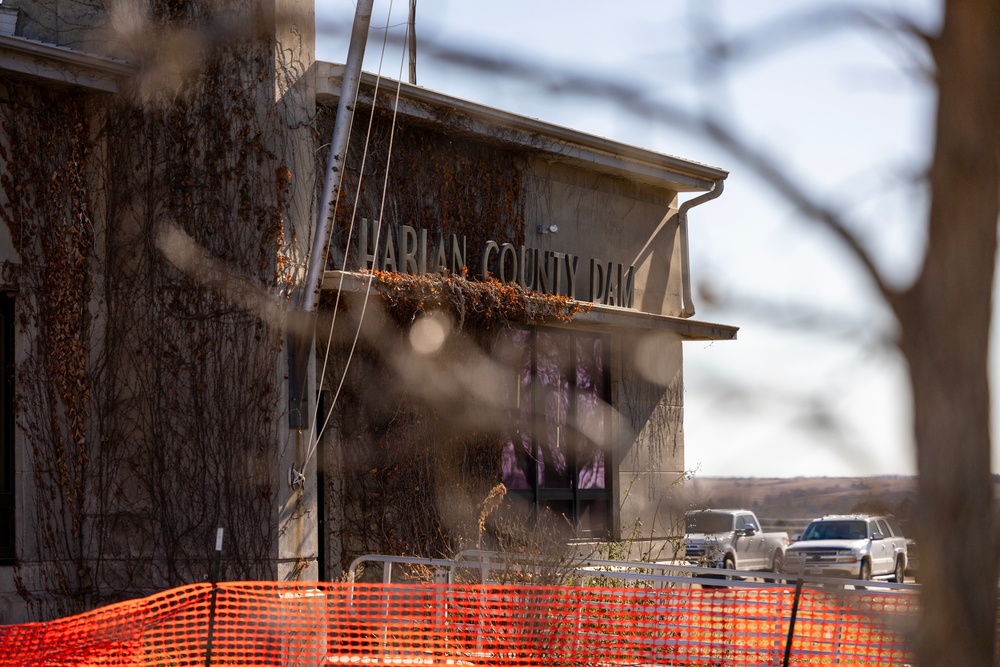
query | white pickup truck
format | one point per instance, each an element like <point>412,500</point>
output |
<point>851,546</point>
<point>731,539</point>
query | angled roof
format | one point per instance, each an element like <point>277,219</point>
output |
<point>560,143</point>
<point>62,65</point>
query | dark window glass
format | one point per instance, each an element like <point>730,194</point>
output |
<point>552,447</point>
<point>594,516</point>
<point>836,530</point>
<point>555,447</point>
<point>517,462</point>
<point>708,522</point>
<point>894,526</point>
<point>591,413</point>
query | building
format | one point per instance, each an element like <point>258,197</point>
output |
<point>498,358</point>
<point>589,411</point>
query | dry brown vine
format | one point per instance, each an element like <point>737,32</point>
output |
<point>485,301</point>
<point>149,404</point>
<point>415,471</point>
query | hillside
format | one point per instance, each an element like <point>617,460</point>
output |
<point>789,503</point>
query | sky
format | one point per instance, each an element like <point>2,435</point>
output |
<point>813,385</point>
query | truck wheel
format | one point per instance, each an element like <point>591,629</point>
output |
<point>865,574</point>
<point>728,564</point>
<point>899,574</point>
<point>777,562</point>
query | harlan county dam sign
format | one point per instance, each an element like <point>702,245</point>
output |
<point>546,271</point>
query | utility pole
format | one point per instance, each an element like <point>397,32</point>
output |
<point>338,151</point>
<point>300,343</point>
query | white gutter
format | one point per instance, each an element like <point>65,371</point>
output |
<point>687,304</point>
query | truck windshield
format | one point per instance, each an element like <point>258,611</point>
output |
<point>836,530</point>
<point>708,522</point>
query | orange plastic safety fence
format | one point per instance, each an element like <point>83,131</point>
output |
<point>270,623</point>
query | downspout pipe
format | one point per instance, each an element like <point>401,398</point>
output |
<point>687,303</point>
<point>338,151</point>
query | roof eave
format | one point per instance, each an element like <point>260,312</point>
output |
<point>62,65</point>
<point>559,142</point>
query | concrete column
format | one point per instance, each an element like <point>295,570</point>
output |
<point>295,96</point>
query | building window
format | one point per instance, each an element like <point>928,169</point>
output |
<point>7,429</point>
<point>556,448</point>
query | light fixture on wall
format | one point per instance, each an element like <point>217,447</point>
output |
<point>547,229</point>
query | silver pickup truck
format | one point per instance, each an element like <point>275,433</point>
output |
<point>731,539</point>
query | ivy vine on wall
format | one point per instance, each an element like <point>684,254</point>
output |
<point>414,462</point>
<point>149,404</point>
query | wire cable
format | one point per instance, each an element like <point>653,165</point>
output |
<point>313,432</point>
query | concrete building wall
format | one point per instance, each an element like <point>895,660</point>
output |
<point>293,23</point>
<point>604,212</point>
<point>651,464</point>
<point>609,219</point>
<point>123,238</point>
